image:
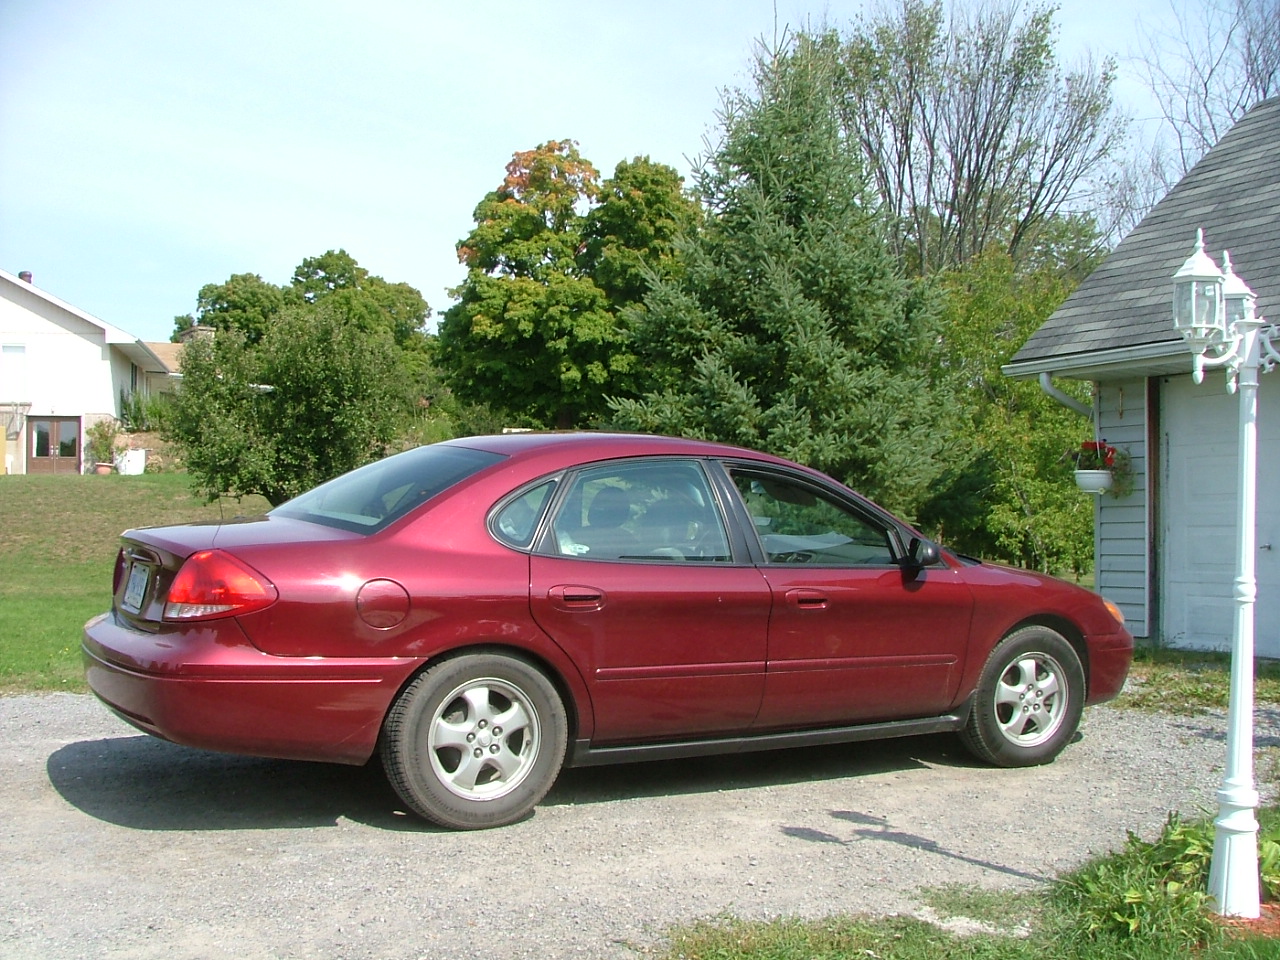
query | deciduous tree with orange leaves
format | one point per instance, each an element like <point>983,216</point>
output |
<point>554,256</point>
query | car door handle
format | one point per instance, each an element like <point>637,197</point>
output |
<point>572,597</point>
<point>807,598</point>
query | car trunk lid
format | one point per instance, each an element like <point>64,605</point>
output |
<point>150,557</point>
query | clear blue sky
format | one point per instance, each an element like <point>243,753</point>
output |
<point>148,147</point>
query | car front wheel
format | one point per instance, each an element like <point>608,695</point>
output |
<point>475,741</point>
<point>1028,702</point>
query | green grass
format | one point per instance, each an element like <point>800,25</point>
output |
<point>58,543</point>
<point>1145,901</point>
<point>836,938</point>
<point>1188,682</point>
<point>998,909</point>
<point>906,938</point>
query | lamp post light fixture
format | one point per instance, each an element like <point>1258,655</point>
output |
<point>1214,312</point>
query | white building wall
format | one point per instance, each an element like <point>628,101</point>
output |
<point>69,368</point>
<point>1122,525</point>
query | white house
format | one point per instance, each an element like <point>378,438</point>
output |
<point>1166,553</point>
<point>61,370</point>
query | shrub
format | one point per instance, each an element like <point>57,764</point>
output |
<point>101,439</point>
<point>141,412</point>
<point>1147,889</point>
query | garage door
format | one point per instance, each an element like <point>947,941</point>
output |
<point>1198,426</point>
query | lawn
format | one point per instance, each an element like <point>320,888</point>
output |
<point>58,543</point>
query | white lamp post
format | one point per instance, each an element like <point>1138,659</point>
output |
<point>1214,312</point>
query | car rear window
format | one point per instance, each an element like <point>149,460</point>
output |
<point>370,498</point>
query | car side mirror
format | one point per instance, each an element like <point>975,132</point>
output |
<point>922,553</point>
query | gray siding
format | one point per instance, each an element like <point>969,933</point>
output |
<point>1122,525</point>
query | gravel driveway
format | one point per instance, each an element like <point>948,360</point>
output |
<point>115,845</point>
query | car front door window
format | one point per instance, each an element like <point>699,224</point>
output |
<point>799,526</point>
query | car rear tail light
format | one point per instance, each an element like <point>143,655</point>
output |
<point>215,584</point>
<point>117,575</point>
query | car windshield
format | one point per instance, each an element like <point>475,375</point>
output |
<point>370,498</point>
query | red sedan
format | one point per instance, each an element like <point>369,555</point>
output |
<point>487,610</point>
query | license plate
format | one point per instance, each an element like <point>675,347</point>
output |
<point>136,588</point>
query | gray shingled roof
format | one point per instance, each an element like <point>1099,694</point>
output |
<point>1119,320</point>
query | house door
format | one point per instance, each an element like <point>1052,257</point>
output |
<point>1198,514</point>
<point>53,445</point>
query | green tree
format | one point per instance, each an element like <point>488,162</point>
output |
<point>317,277</point>
<point>245,303</point>
<point>789,326</point>
<point>300,383</point>
<point>316,396</point>
<point>631,235</point>
<point>337,279</point>
<point>1008,494</point>
<point>536,331</point>
<point>249,304</point>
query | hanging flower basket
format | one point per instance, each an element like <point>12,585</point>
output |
<point>1102,468</point>
<point>1093,481</point>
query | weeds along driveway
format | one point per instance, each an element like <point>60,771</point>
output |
<point>115,845</point>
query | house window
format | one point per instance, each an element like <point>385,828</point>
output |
<point>13,373</point>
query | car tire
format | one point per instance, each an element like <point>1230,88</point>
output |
<point>475,741</point>
<point>1028,702</point>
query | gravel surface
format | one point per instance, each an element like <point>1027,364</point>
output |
<point>119,846</point>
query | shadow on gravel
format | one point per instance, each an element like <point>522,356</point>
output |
<point>1265,720</point>
<point>148,784</point>
<point>878,829</point>
<point>744,771</point>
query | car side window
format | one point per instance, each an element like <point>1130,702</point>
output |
<point>648,511</point>
<point>515,523</point>
<point>799,525</point>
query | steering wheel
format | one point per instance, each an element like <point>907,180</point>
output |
<point>792,556</point>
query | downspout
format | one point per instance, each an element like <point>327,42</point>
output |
<point>1090,411</point>
<point>1046,384</point>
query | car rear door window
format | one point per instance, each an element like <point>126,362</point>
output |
<point>641,510</point>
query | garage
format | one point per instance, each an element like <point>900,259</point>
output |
<point>1166,552</point>
<point>1197,511</point>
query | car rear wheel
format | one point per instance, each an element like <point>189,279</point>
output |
<point>475,741</point>
<point>1029,700</point>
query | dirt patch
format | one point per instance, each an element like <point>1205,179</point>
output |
<point>1266,925</point>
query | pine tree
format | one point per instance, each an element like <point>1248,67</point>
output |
<point>790,327</point>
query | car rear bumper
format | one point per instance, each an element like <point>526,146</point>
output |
<point>207,686</point>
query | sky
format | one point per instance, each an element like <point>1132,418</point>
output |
<point>149,147</point>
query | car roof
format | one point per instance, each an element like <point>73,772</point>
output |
<point>586,445</point>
